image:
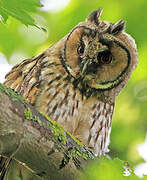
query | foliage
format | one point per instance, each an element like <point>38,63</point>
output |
<point>19,10</point>
<point>129,121</point>
<point>102,169</point>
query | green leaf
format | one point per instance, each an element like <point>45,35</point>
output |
<point>4,15</point>
<point>19,9</point>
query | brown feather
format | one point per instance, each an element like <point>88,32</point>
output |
<point>74,82</point>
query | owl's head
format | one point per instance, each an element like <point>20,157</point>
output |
<point>99,54</point>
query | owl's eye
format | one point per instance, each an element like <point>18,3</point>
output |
<point>104,57</point>
<point>81,49</point>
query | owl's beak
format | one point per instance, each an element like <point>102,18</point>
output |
<point>84,69</point>
<point>91,64</point>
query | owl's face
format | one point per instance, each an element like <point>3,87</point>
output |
<point>99,53</point>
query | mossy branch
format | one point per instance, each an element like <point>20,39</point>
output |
<point>30,137</point>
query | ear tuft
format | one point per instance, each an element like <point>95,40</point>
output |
<point>118,27</point>
<point>94,16</point>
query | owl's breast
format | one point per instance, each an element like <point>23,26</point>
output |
<point>94,125</point>
<point>58,98</point>
<point>88,119</point>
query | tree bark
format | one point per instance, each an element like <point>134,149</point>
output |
<point>36,144</point>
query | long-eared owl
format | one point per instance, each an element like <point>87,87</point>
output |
<point>76,81</point>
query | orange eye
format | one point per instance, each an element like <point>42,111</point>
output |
<point>104,57</point>
<point>81,49</point>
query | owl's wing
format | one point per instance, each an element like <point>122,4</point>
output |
<point>24,78</point>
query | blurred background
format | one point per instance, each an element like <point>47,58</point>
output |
<point>18,42</point>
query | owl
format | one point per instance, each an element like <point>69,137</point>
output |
<point>76,81</point>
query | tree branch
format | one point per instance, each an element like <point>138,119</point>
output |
<point>31,138</point>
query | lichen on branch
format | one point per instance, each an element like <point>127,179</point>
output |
<point>36,140</point>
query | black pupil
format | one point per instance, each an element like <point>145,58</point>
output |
<point>104,57</point>
<point>81,49</point>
